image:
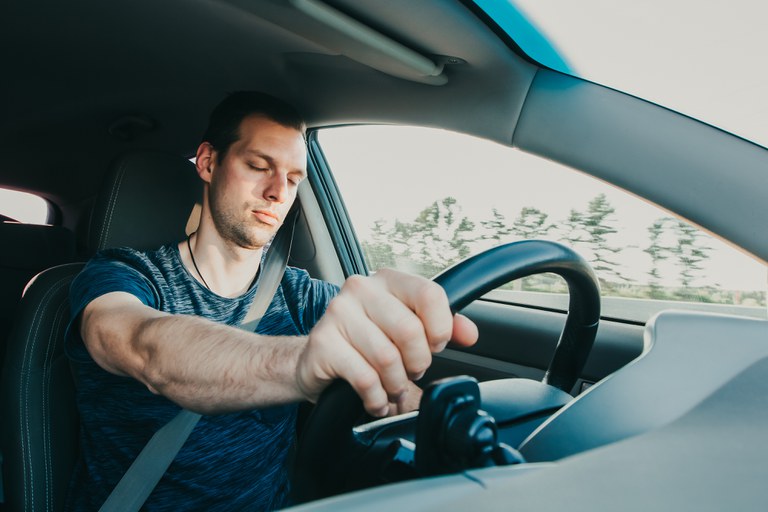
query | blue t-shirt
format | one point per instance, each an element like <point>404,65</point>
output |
<point>231,461</point>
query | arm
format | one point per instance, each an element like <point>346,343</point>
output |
<point>201,365</point>
<point>378,334</point>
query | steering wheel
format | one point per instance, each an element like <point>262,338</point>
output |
<point>329,449</point>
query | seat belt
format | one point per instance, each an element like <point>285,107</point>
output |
<point>150,465</point>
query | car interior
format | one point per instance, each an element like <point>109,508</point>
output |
<point>104,105</point>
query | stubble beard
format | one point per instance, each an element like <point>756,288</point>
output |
<point>237,226</point>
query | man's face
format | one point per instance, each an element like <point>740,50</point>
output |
<point>254,185</point>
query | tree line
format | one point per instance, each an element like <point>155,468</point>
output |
<point>440,235</point>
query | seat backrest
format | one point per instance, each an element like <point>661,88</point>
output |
<point>146,201</point>
<point>39,437</point>
<point>26,250</point>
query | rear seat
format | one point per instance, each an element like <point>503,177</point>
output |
<point>25,250</point>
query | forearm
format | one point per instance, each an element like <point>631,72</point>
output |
<point>213,368</point>
<point>201,365</point>
<point>210,368</point>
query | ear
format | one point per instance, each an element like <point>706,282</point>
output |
<point>205,161</point>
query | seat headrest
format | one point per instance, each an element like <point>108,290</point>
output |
<point>35,247</point>
<point>145,202</point>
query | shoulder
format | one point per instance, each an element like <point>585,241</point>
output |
<point>151,264</point>
<point>297,284</point>
<point>305,297</point>
<point>113,270</point>
<point>165,255</point>
<point>123,269</point>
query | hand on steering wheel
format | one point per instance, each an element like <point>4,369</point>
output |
<point>379,333</point>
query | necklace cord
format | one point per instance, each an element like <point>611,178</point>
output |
<point>192,255</point>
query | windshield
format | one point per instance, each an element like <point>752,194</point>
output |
<point>703,59</point>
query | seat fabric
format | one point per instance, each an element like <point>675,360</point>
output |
<point>26,250</point>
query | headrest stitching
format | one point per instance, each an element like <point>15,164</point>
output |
<point>59,318</point>
<point>111,206</point>
<point>29,493</point>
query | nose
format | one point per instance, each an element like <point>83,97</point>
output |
<point>276,190</point>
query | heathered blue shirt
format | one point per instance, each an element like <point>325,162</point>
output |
<point>230,461</point>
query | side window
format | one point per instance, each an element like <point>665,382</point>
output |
<point>422,199</point>
<point>23,207</point>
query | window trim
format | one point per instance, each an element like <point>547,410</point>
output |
<point>348,247</point>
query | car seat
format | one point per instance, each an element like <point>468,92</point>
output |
<point>145,201</point>
<point>26,250</point>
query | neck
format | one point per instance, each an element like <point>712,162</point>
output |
<point>225,270</point>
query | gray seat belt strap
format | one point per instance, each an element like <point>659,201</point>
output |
<point>271,273</point>
<point>150,465</point>
<point>137,483</point>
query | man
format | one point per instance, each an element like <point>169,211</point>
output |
<point>159,327</point>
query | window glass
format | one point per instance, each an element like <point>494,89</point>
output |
<point>429,198</point>
<point>23,207</point>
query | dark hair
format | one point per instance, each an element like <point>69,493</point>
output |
<point>224,123</point>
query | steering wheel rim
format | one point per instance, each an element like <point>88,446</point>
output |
<point>328,430</point>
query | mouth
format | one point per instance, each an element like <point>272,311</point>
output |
<point>266,217</point>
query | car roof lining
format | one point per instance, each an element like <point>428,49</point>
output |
<point>153,63</point>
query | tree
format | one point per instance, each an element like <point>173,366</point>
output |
<point>658,253</point>
<point>379,249</point>
<point>690,252</point>
<point>531,224</point>
<point>438,237</point>
<point>681,243</point>
<point>441,235</point>
<point>461,238</point>
<point>574,232</point>
<point>592,230</point>
<point>497,227</point>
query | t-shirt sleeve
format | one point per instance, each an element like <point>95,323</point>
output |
<point>319,295</point>
<point>306,298</point>
<point>105,273</point>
